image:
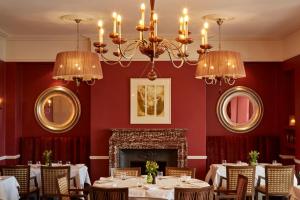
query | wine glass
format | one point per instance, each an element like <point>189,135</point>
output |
<point>68,163</point>
<point>29,162</point>
<point>38,163</point>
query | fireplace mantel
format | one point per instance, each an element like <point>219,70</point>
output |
<point>148,139</point>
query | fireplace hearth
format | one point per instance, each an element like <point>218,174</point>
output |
<point>133,147</point>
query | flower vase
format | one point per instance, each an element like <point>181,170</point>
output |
<point>253,162</point>
<point>149,178</point>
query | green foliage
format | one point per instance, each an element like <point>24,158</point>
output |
<point>253,156</point>
<point>47,155</point>
<point>151,167</point>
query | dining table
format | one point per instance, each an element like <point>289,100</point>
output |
<point>9,188</point>
<point>138,188</point>
<point>78,171</point>
<point>216,171</point>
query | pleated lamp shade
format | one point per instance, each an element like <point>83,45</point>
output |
<point>77,65</point>
<point>220,64</point>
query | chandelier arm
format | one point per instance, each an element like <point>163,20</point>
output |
<point>123,52</point>
<point>189,62</point>
<point>168,44</point>
<point>210,81</point>
<point>172,51</point>
<point>109,61</point>
<point>173,63</point>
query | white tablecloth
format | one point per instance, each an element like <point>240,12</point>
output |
<point>79,171</point>
<point>295,193</point>
<point>9,188</point>
<point>163,189</point>
<point>217,170</point>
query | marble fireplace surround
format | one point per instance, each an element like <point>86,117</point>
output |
<point>148,139</point>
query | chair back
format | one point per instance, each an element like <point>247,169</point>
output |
<point>232,173</point>
<point>22,174</point>
<point>177,171</point>
<point>206,193</point>
<point>63,187</point>
<point>49,177</point>
<point>241,187</point>
<point>133,171</point>
<point>279,179</point>
<point>109,193</point>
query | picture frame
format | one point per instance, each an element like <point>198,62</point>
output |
<point>150,101</point>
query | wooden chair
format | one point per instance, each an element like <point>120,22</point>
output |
<point>133,171</point>
<point>177,171</point>
<point>278,181</point>
<point>109,193</point>
<point>232,173</point>
<point>206,193</point>
<point>22,174</point>
<point>49,177</point>
<point>239,193</point>
<point>64,191</point>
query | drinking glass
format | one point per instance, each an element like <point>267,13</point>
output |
<point>60,162</point>
<point>224,161</point>
<point>29,162</point>
<point>123,175</point>
<point>112,172</point>
<point>38,163</point>
<point>274,162</point>
<point>183,177</point>
<point>68,163</point>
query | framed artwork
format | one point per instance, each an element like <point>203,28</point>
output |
<point>150,101</point>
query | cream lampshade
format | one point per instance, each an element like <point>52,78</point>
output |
<point>77,65</point>
<point>220,64</point>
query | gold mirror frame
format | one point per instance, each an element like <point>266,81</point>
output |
<point>222,109</point>
<point>40,114</point>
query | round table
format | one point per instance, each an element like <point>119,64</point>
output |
<point>139,189</point>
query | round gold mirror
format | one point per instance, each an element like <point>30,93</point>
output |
<point>240,109</point>
<point>57,109</point>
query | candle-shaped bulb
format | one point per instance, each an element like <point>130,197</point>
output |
<point>155,17</point>
<point>119,18</point>
<point>114,15</point>
<point>206,25</point>
<point>203,31</point>
<point>186,18</point>
<point>185,11</point>
<point>100,23</point>
<point>143,7</point>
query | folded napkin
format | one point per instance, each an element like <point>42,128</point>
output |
<point>150,186</point>
<point>4,177</point>
<point>80,165</point>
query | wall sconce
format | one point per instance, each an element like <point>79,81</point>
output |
<point>1,103</point>
<point>292,120</point>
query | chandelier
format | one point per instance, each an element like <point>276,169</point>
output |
<point>78,66</point>
<point>152,46</point>
<point>220,65</point>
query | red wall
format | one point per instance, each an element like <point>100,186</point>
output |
<point>22,83</point>
<point>264,79</point>
<point>2,110</point>
<point>110,108</point>
<point>107,105</point>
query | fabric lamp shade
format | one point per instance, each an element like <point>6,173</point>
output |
<point>220,64</point>
<point>77,65</point>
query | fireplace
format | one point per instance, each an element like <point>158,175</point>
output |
<point>138,158</point>
<point>133,147</point>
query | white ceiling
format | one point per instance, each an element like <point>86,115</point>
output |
<point>254,19</point>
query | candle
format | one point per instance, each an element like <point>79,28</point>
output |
<point>101,31</point>
<point>114,15</point>
<point>203,36</point>
<point>181,24</point>
<point>186,31</point>
<point>119,21</point>
<point>143,7</point>
<point>155,17</point>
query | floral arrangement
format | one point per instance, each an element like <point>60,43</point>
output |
<point>47,155</point>
<point>253,157</point>
<point>151,169</point>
